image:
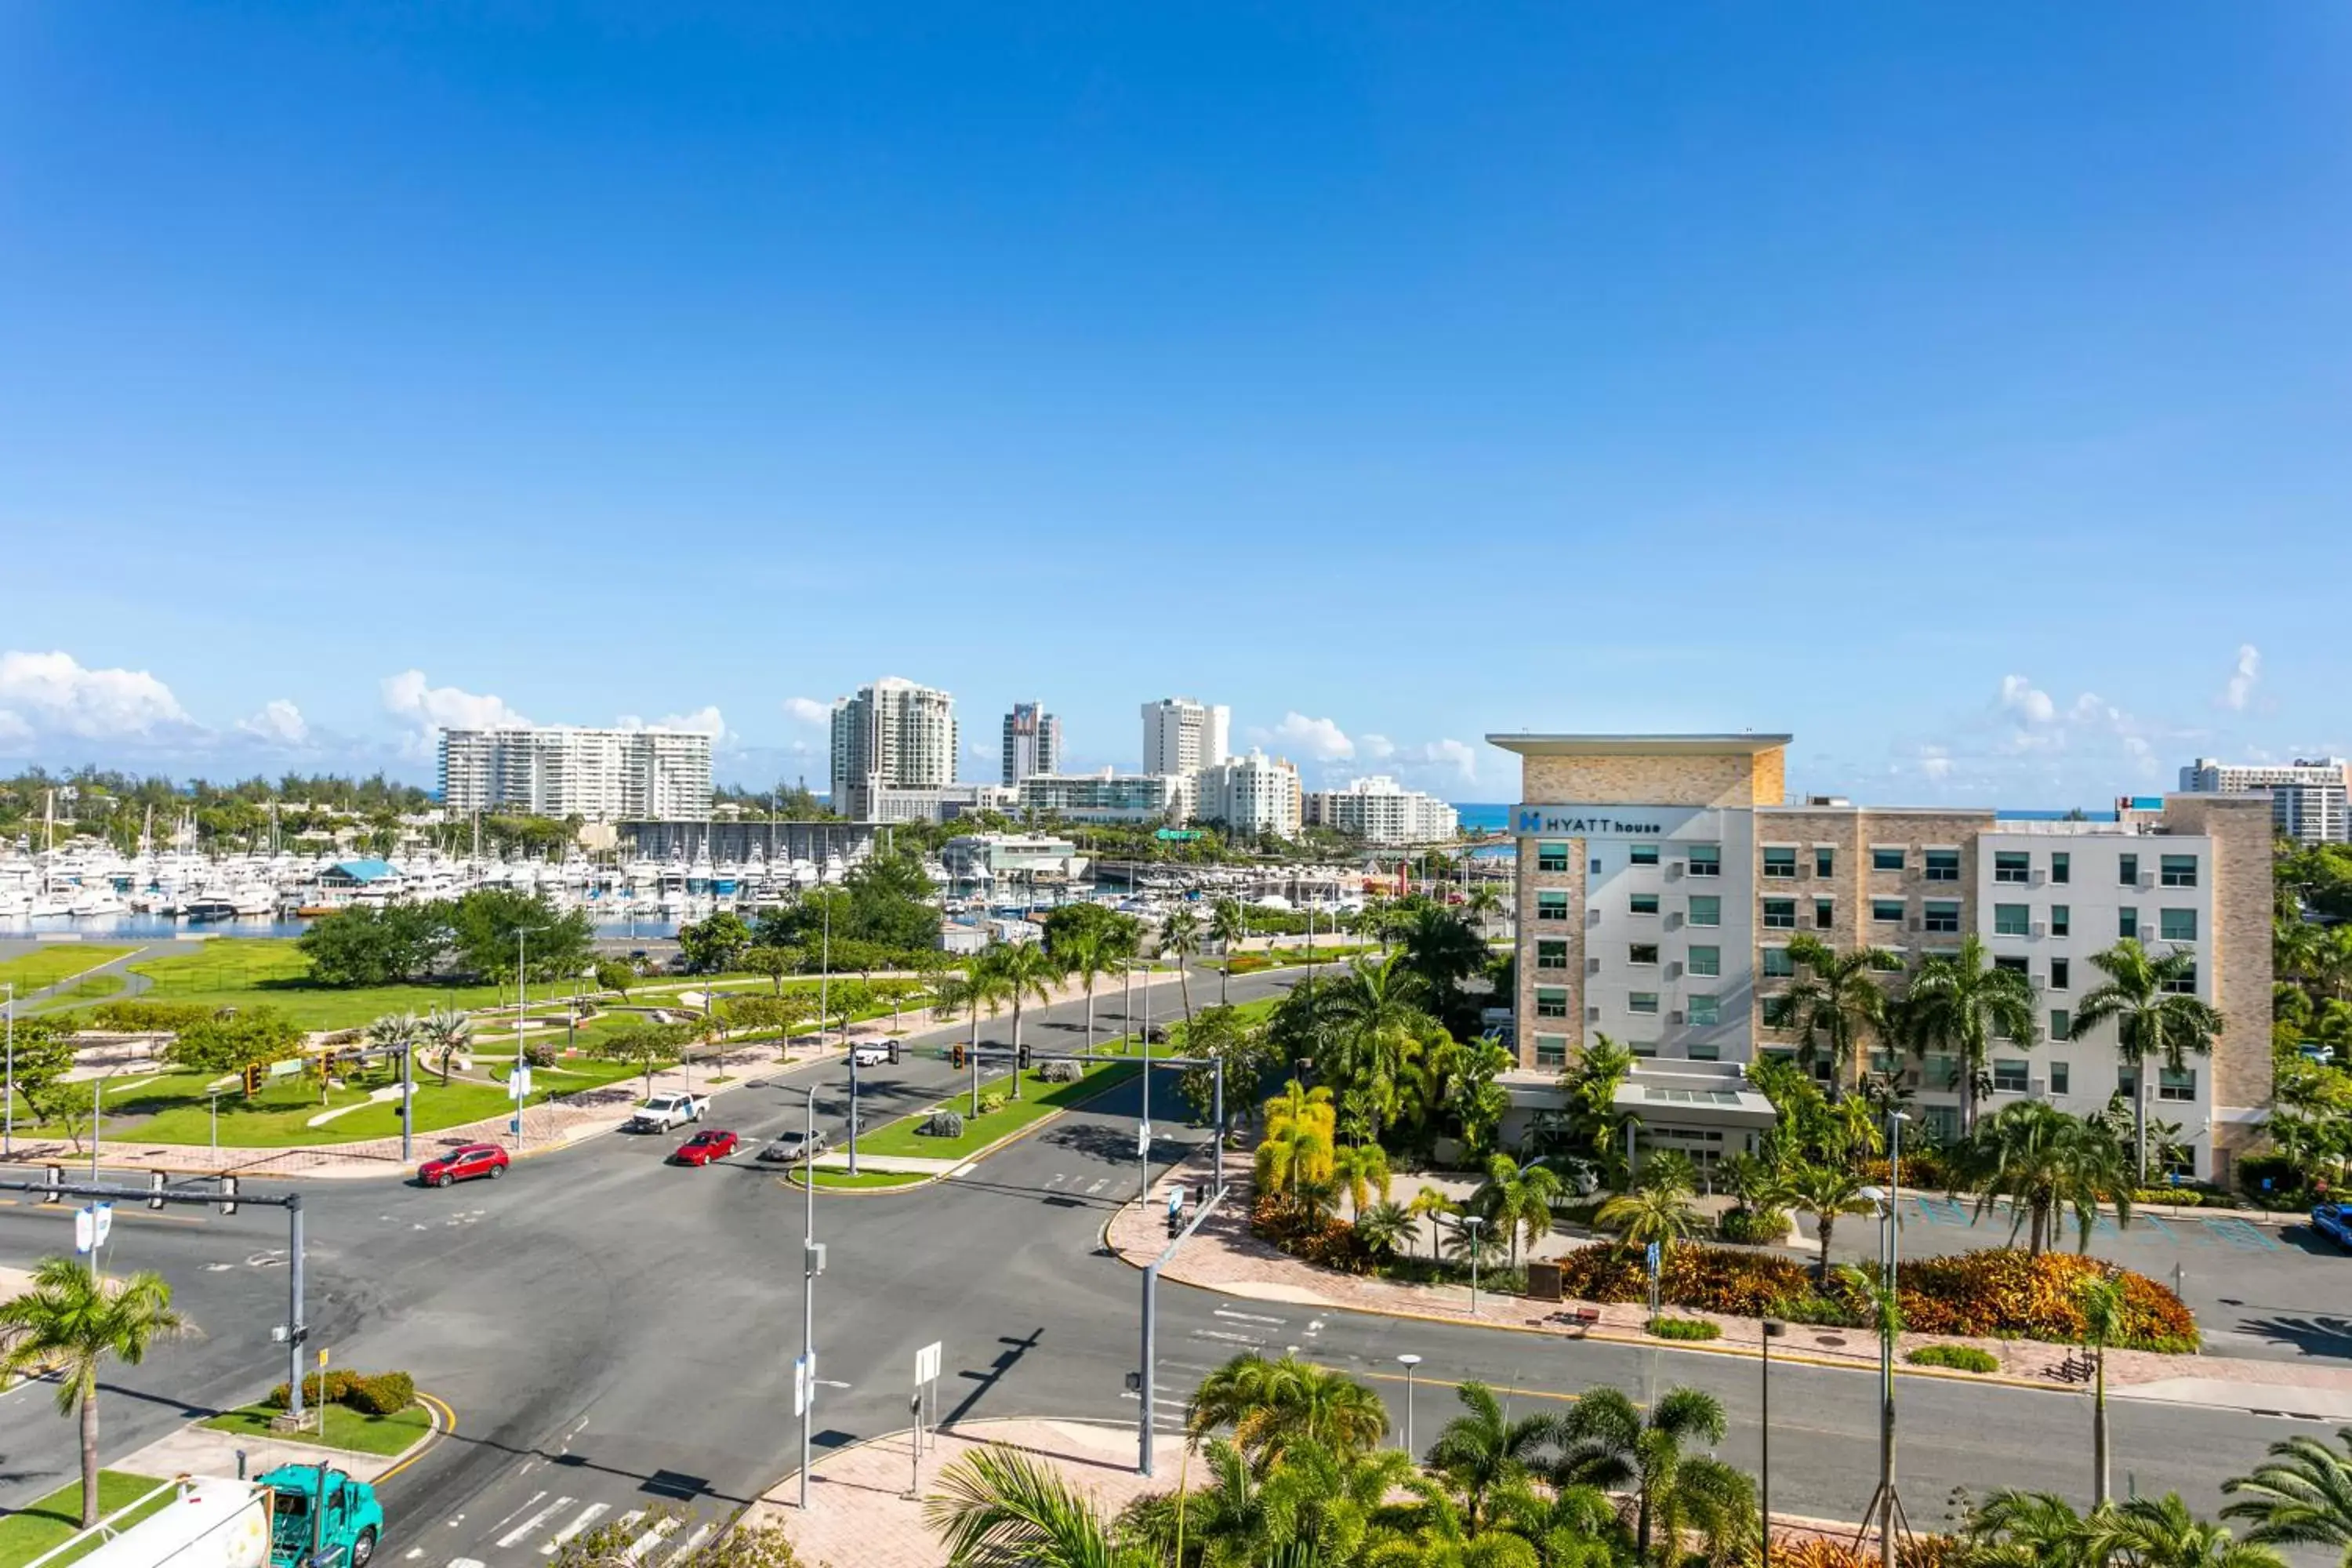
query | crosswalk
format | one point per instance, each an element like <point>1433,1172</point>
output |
<point>548,1522</point>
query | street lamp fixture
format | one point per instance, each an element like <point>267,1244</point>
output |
<point>1408,1360</point>
<point>1773,1329</point>
<point>1470,1223</point>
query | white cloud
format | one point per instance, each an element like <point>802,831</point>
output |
<point>1375,747</point>
<point>2020,696</point>
<point>1317,739</point>
<point>14,731</point>
<point>279,722</point>
<point>701,722</point>
<point>52,694</point>
<point>1935,762</point>
<point>429,708</point>
<point>2248,670</point>
<point>808,710</point>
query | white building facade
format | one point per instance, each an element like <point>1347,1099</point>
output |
<point>1380,810</point>
<point>1106,796</point>
<point>602,775</point>
<point>1182,736</point>
<point>2308,799</point>
<point>1251,794</point>
<point>893,734</point>
<point>1033,743</point>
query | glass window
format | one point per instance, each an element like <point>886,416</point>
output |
<point>1889,859</point>
<point>2177,870</point>
<point>2008,1074</point>
<point>1643,854</point>
<point>1551,906</point>
<point>2015,965</point>
<point>1643,953</point>
<point>2009,920</point>
<point>1551,955</point>
<point>2012,865</point>
<point>1703,1051</point>
<point>1707,860</point>
<point>2062,920</point>
<point>1778,964</point>
<point>1595,864</point>
<point>1705,961</point>
<point>1943,865</point>
<point>1778,1012</point>
<point>2127,921</point>
<point>1643,1048</point>
<point>1824,861</point>
<point>2127,871</point>
<point>1824,913</point>
<point>1645,903</point>
<point>1551,857</point>
<point>1703,1012</point>
<point>2128,1080</point>
<point>2062,865</point>
<point>1887,911</point>
<point>1551,1002</point>
<point>2170,1085</point>
<point>1552,1050</point>
<point>1641,1001</point>
<point>1705,909</point>
<point>2060,979</point>
<point>1780,863</point>
<point>1779,915</point>
<point>1937,915</point>
<point>2061,1021</point>
<point>2058,1070</point>
<point>2176,925</point>
<point>2185,982</point>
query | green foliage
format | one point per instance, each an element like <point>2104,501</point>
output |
<point>229,1041</point>
<point>1959,1358</point>
<point>1684,1329</point>
<point>647,1048</point>
<point>711,945</point>
<point>1752,1228</point>
<point>616,975</point>
<point>370,945</point>
<point>74,1325</point>
<point>371,1393</point>
<point>135,1015</point>
<point>1120,934</point>
<point>483,927</point>
<point>44,1054</point>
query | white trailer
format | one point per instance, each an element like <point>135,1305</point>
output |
<point>213,1522</point>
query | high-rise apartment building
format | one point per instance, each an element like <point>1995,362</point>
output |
<point>1379,810</point>
<point>2308,799</point>
<point>1181,736</point>
<point>1253,793</point>
<point>1033,741</point>
<point>600,774</point>
<point>893,734</point>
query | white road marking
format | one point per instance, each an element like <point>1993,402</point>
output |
<point>1101,1182</point>
<point>1054,1181</point>
<point>648,1540</point>
<point>530,1527</point>
<point>534,1498</point>
<point>1230,1339</point>
<point>412,1554</point>
<point>1251,1316</point>
<point>466,1562</point>
<point>963,1170</point>
<point>580,1521</point>
<point>701,1535</point>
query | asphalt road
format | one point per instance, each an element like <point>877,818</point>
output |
<point>615,1333</point>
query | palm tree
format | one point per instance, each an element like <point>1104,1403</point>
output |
<point>75,1323</point>
<point>2043,1163</point>
<point>1483,1450</point>
<point>394,1033</point>
<point>2160,1532</point>
<point>1024,970</point>
<point>2026,1529</point>
<point>1823,1189</point>
<point>1381,1226</point>
<point>1518,1198</point>
<point>983,985</point>
<point>442,1036</point>
<point>1360,1168</point>
<point>1608,1443</point>
<point>1435,1206</point>
<point>1959,1005</point>
<point>2300,1496</point>
<point>1652,1213</point>
<point>1379,1024</point>
<point>1440,948</point>
<point>1228,924</point>
<point>1275,1405</point>
<point>1297,1148</point>
<point>2102,1300</point>
<point>1835,1002</point>
<point>1087,953</point>
<point>1180,938</point>
<point>2158,1019</point>
<point>998,1506</point>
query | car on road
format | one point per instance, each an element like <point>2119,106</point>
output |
<point>710,1144</point>
<point>464,1164</point>
<point>662,1113</point>
<point>792,1148</point>
<point>2333,1221</point>
<point>870,1056</point>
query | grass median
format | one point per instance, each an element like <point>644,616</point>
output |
<point>40,1526</point>
<point>830,1180</point>
<point>46,965</point>
<point>348,1429</point>
<point>1038,1102</point>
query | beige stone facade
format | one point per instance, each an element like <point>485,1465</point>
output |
<point>1679,778</point>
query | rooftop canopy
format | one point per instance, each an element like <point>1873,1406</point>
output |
<point>1528,744</point>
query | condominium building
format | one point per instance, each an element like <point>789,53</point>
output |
<point>1663,880</point>
<point>893,734</point>
<point>1379,810</point>
<point>1033,743</point>
<point>2307,799</point>
<point>1253,793</point>
<point>1180,735</point>
<point>599,774</point>
<point>1107,796</point>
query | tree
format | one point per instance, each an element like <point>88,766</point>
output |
<point>1836,1000</point>
<point>2159,1019</point>
<point>1360,1168</point>
<point>1223,1035</point>
<point>1443,951</point>
<point>232,1043</point>
<point>442,1037</point>
<point>1228,925</point>
<point>2102,1300</point>
<point>1026,971</point>
<point>44,1055</point>
<point>395,1034</point>
<point>1381,1229</point>
<point>367,945</point>
<point>710,945</point>
<point>1000,1507</point>
<point>2026,1529</point>
<point>647,1048</point>
<point>485,923</point>
<point>1435,1206</point>
<point>2299,1495</point>
<point>776,962</point>
<point>1088,951</point>
<point>612,974</point>
<point>1179,939</point>
<point>1607,1443</point>
<point>2043,1162</point>
<point>2160,1532</point>
<point>1825,1189</point>
<point>1959,1005</point>
<point>1299,1141</point>
<point>1653,1211</point>
<point>1275,1405</point>
<point>74,1322</point>
<point>1516,1200</point>
<point>1482,1451</point>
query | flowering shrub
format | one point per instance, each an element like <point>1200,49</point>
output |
<point>2000,1293</point>
<point>1764,1228</point>
<point>1707,1279</point>
<point>1820,1551</point>
<point>1326,1240</point>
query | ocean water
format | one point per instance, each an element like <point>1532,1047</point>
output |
<point>1478,816</point>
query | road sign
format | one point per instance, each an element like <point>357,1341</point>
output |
<point>92,1225</point>
<point>1143,1138</point>
<point>927,1362</point>
<point>519,1084</point>
<point>800,1385</point>
<point>286,1069</point>
<point>1653,1258</point>
<point>1176,1200</point>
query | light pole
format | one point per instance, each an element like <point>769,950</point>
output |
<point>1470,1223</point>
<point>812,1260</point>
<point>8,1137</point>
<point>1773,1329</point>
<point>1884,1505</point>
<point>1408,1360</point>
<point>213,1097</point>
<point>522,1061</point>
<point>1143,1134</point>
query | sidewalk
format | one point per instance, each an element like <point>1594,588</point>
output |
<point>194,1450</point>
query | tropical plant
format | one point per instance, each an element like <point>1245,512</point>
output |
<point>1089,953</point>
<point>1825,1190</point>
<point>1959,1004</point>
<point>2102,1300</point>
<point>1606,1442</point>
<point>2159,1021</point>
<point>2014,1529</point>
<point>73,1324</point>
<point>1483,1450</point>
<point>1360,1170</point>
<point>1443,951</point>
<point>1297,1148</point>
<point>999,1506</point>
<point>2299,1495</point>
<point>1836,1000</point>
<point>1274,1405</point>
<point>1516,1200</point>
<point>1228,927</point>
<point>1179,939</point>
<point>2160,1532</point>
<point>1025,971</point>
<point>442,1036</point>
<point>2042,1162</point>
<point>1652,1211</point>
<point>1381,1228</point>
<point>1436,1208</point>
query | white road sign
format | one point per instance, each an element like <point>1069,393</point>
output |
<point>927,1364</point>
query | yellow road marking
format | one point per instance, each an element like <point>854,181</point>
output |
<point>445,1422</point>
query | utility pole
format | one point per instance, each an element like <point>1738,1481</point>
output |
<point>812,1263</point>
<point>8,1137</point>
<point>1143,1138</point>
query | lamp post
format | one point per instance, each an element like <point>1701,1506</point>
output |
<point>1773,1329</point>
<point>1470,1223</point>
<point>1408,1360</point>
<point>1143,1136</point>
<point>8,1136</point>
<point>811,1262</point>
<point>1884,1504</point>
<point>522,1061</point>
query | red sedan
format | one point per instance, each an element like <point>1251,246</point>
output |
<point>464,1164</point>
<point>712,1143</point>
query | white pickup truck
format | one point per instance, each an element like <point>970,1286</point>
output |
<point>661,1112</point>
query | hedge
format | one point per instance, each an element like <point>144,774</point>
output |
<point>1753,1227</point>
<point>370,1393</point>
<point>1684,1329</point>
<point>1961,1358</point>
<point>1328,1239</point>
<point>1706,1278</point>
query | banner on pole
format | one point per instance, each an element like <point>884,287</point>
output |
<point>800,1385</point>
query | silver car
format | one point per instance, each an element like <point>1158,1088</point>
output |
<point>792,1148</point>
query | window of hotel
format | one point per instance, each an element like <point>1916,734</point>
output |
<point>2008,1075</point>
<point>1824,861</point>
<point>2060,977</point>
<point>1641,855</point>
<point>1943,865</point>
<point>2127,871</point>
<point>1777,1011</point>
<point>1940,916</point>
<point>1707,860</point>
<point>1551,857</point>
<point>1705,961</point>
<point>1704,1013</point>
<point>1643,1048</point>
<point>1703,1051</point>
<point>2012,865</point>
<point>1778,964</point>
<point>1552,1050</point>
<point>2010,919</point>
<point>2170,1085</point>
<point>2062,865</point>
<point>1641,1001</point>
<point>2176,925</point>
<point>1551,1002</point>
<point>1645,903</point>
<point>1824,913</point>
<point>1551,906</point>
<point>2058,1074</point>
<point>1705,909</point>
<point>1551,955</point>
<point>1780,863</point>
<point>1887,911</point>
<point>2128,1081</point>
<point>1642,952</point>
<point>1779,915</point>
<point>1595,864</point>
<point>2128,922</point>
<point>2177,870</point>
<point>2062,919</point>
<point>2061,1021</point>
<point>2014,964</point>
<point>1887,859</point>
<point>2185,982</point>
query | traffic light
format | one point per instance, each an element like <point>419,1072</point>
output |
<point>157,1180</point>
<point>54,1179</point>
<point>228,1194</point>
<point>252,1080</point>
<point>894,1053</point>
<point>955,1058</point>
<point>1022,1063</point>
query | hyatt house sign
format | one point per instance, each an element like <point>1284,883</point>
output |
<point>1583,821</point>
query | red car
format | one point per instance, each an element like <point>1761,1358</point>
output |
<point>464,1164</point>
<point>712,1143</point>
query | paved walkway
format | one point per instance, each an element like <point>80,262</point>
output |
<point>195,1450</point>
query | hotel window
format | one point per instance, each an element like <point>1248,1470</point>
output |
<point>2170,1085</point>
<point>1824,861</point>
<point>1703,1051</point>
<point>2060,978</point>
<point>1824,913</point>
<point>1551,857</point>
<point>1778,964</point>
<point>2062,865</point>
<point>1642,952</point>
<point>1778,1012</point>
<point>2176,925</point>
<point>1643,1048</point>
<point>1643,854</point>
<point>2014,965</point>
<point>1780,863</point>
<point>1937,915</point>
<point>2008,1075</point>
<point>1551,955</point>
<point>2010,919</point>
<point>2061,1021</point>
<point>2127,922</point>
<point>2012,865</point>
<point>1887,859</point>
<point>1943,865</point>
<point>2185,982</point>
<point>1705,909</point>
<point>2127,871</point>
<point>1705,961</point>
<point>1887,911</point>
<point>1704,1012</point>
<point>1551,906</point>
<point>1779,915</point>
<point>2058,1074</point>
<point>1551,1002</point>
<point>2062,919</point>
<point>1645,903</point>
<point>1552,1050</point>
<point>2128,1081</point>
<point>1641,1002</point>
<point>2177,870</point>
<point>1707,860</point>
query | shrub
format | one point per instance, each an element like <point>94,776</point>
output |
<point>1324,1239</point>
<point>1753,1227</point>
<point>942,1124</point>
<point>540,1053</point>
<point>1684,1329</point>
<point>1706,1278</point>
<point>2187,1197</point>
<point>384,1394</point>
<point>1822,1552</point>
<point>992,1102</point>
<point>2000,1293</point>
<point>1959,1358</point>
<point>137,1017</point>
<point>1247,963</point>
<point>2252,1169</point>
<point>1060,1071</point>
<point>1922,1168</point>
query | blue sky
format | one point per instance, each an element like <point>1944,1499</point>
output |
<point>1963,388</point>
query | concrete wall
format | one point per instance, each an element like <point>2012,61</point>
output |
<point>1673,778</point>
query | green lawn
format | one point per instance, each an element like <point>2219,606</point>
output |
<point>346,1427</point>
<point>1037,1103</point>
<point>245,972</point>
<point>39,1526</point>
<point>864,1181</point>
<point>93,988</point>
<point>56,961</point>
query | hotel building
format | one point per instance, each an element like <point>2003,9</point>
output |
<point>1379,810</point>
<point>891,735</point>
<point>559,771</point>
<point>2308,799</point>
<point>1662,878</point>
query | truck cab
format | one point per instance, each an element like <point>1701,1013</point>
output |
<point>347,1536</point>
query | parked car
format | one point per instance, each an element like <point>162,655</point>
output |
<point>662,1113</point>
<point>870,1056</point>
<point>464,1164</point>
<point>710,1144</point>
<point>792,1148</point>
<point>2333,1221</point>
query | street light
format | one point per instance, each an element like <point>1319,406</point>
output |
<point>1773,1329</point>
<point>522,1061</point>
<point>1885,1506</point>
<point>8,1137</point>
<point>1470,1223</point>
<point>1408,1360</point>
<point>812,1264</point>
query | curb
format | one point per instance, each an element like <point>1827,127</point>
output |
<point>445,1423</point>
